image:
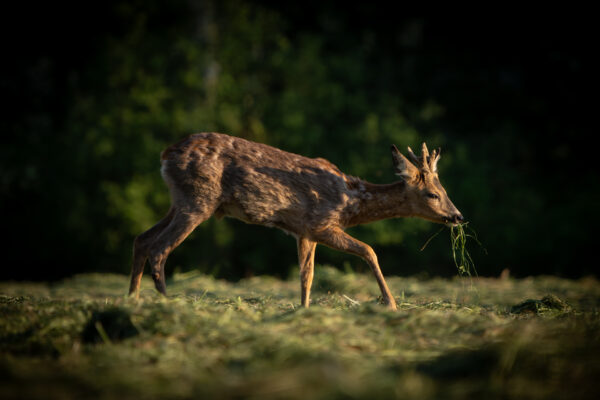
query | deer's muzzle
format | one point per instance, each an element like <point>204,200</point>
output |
<point>454,219</point>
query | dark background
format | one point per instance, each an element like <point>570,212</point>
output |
<point>93,92</point>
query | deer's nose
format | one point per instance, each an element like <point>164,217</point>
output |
<point>458,218</point>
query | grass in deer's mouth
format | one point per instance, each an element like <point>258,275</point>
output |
<point>458,242</point>
<point>461,256</point>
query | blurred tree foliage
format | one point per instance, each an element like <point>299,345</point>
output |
<point>97,91</point>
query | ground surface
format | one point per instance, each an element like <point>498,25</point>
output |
<point>82,338</point>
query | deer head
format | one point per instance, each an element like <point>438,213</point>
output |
<point>424,193</point>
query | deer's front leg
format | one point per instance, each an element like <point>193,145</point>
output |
<point>306,260</point>
<point>340,240</point>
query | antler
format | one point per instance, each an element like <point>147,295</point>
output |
<point>424,153</point>
<point>426,162</point>
<point>435,157</point>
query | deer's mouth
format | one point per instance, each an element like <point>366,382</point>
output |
<point>453,220</point>
<point>448,222</point>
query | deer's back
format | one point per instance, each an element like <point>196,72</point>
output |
<point>256,183</point>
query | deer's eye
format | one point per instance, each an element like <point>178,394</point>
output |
<point>432,196</point>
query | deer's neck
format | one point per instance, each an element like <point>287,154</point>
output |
<point>377,202</point>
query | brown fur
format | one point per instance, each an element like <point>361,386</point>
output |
<point>215,174</point>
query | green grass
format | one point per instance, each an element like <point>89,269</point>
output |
<point>461,256</point>
<point>534,338</point>
<point>458,244</point>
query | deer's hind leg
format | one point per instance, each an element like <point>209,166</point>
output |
<point>181,225</point>
<point>306,260</point>
<point>141,248</point>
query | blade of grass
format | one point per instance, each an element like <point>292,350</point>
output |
<point>102,333</point>
<point>431,238</point>
<point>461,256</point>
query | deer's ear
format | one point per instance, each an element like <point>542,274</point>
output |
<point>403,167</point>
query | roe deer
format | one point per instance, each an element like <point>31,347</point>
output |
<point>310,198</point>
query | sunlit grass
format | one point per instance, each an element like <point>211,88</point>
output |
<point>83,338</point>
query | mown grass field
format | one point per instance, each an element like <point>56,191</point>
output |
<point>459,338</point>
